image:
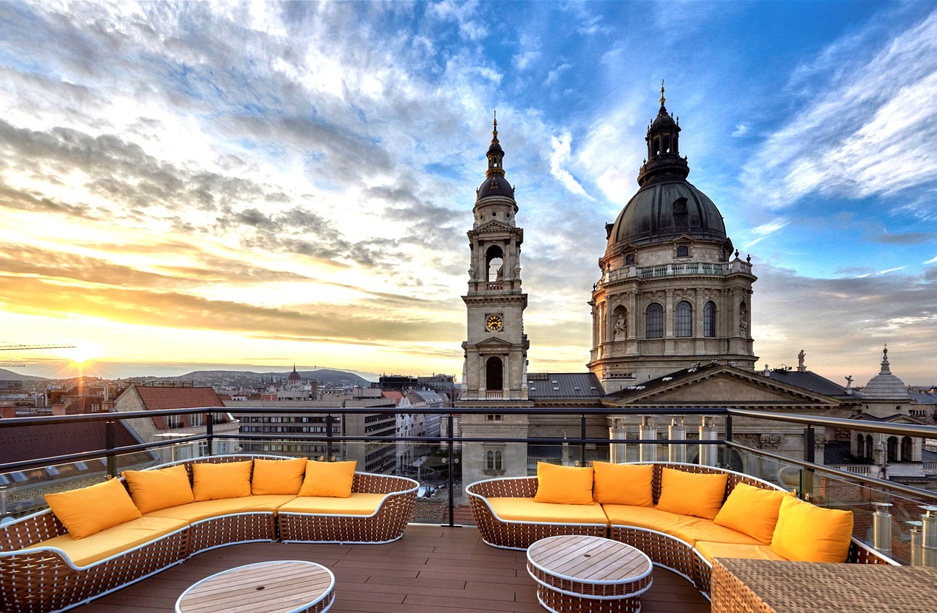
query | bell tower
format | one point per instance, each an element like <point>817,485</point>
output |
<point>495,367</point>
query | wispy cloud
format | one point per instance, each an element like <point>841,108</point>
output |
<point>865,131</point>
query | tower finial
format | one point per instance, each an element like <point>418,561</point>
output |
<point>494,131</point>
<point>662,99</point>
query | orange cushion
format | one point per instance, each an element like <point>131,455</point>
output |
<point>623,483</point>
<point>563,484</point>
<point>710,550</point>
<point>752,511</point>
<point>688,493</point>
<point>277,476</point>
<point>808,533</point>
<point>528,510</point>
<point>113,541</point>
<point>91,509</point>
<point>329,479</point>
<point>223,480</point>
<point>152,490</point>
<point>198,511</point>
<point>358,503</point>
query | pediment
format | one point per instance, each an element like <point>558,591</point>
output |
<point>494,342</point>
<point>494,227</point>
<point>722,386</point>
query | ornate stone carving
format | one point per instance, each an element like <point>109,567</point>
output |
<point>771,441</point>
<point>749,440</point>
<point>820,442</point>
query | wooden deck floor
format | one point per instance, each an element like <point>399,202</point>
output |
<point>431,568</point>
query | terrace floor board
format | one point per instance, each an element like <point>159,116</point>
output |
<point>431,568</point>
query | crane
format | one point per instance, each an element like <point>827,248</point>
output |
<point>24,347</point>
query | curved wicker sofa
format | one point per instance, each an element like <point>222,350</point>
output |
<point>665,550</point>
<point>37,579</point>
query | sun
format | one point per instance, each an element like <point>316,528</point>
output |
<point>83,353</point>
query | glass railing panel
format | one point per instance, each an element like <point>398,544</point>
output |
<point>22,492</point>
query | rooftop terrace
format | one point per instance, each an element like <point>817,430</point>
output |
<point>431,568</point>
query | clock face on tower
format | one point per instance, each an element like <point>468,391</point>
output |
<point>494,322</point>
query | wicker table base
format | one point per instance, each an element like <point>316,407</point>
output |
<point>772,586</point>
<point>588,574</point>
<point>289,586</point>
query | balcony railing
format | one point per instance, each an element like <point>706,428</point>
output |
<point>723,438</point>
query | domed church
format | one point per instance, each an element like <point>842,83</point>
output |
<point>672,290</point>
<point>671,316</point>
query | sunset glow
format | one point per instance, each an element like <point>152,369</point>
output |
<point>214,185</point>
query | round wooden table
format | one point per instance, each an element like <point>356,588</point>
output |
<point>287,586</point>
<point>588,573</point>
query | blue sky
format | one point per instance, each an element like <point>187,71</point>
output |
<point>252,185</point>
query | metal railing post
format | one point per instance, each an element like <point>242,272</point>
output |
<point>582,439</point>
<point>110,442</point>
<point>328,437</point>
<point>210,433</point>
<point>450,443</point>
<point>806,485</point>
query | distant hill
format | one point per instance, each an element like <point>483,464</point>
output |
<point>9,375</point>
<point>327,377</point>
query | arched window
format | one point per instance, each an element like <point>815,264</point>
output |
<point>494,262</point>
<point>860,446</point>
<point>494,374</point>
<point>892,448</point>
<point>494,460</point>
<point>655,321</point>
<point>907,449</point>
<point>683,319</point>
<point>869,449</point>
<point>709,319</point>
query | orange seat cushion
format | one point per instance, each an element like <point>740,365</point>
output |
<point>528,510</point>
<point>157,489</point>
<point>684,527</point>
<point>711,550</point>
<point>113,541</point>
<point>564,484</point>
<point>89,510</point>
<point>205,509</point>
<point>358,503</point>
<point>691,493</point>
<point>623,483</point>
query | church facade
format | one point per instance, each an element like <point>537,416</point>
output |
<point>671,328</point>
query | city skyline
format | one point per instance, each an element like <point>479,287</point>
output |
<point>210,185</point>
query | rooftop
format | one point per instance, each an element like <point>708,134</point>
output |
<point>431,568</point>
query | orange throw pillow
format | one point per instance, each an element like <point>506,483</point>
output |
<point>329,479</point>
<point>623,483</point>
<point>686,493</point>
<point>563,484</point>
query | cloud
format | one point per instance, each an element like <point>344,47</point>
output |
<point>559,159</point>
<point>855,140</point>
<point>843,323</point>
<point>905,238</point>
<point>741,129</point>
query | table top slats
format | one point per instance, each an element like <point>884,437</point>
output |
<point>267,586</point>
<point>589,559</point>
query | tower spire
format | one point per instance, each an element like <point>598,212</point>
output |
<point>495,152</point>
<point>662,99</point>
